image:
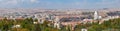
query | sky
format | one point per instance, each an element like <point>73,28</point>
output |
<point>60,4</point>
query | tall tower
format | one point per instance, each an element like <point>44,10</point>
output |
<point>95,15</point>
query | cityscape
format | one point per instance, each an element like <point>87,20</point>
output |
<point>59,15</point>
<point>58,18</point>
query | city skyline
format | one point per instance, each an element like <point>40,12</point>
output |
<point>60,4</point>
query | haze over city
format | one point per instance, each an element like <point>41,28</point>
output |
<point>59,15</point>
<point>60,4</point>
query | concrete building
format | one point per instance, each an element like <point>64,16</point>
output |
<point>57,23</point>
<point>96,15</point>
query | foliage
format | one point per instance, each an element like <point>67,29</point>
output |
<point>27,25</point>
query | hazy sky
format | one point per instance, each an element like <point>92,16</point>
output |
<point>60,4</point>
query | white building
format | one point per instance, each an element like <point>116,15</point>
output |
<point>16,26</point>
<point>96,15</point>
<point>41,20</point>
<point>84,30</point>
<point>57,23</point>
<point>36,16</point>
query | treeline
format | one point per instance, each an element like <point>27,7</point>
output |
<point>28,25</point>
<point>111,25</point>
<point>25,25</point>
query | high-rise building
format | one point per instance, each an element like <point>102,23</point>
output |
<point>96,15</point>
